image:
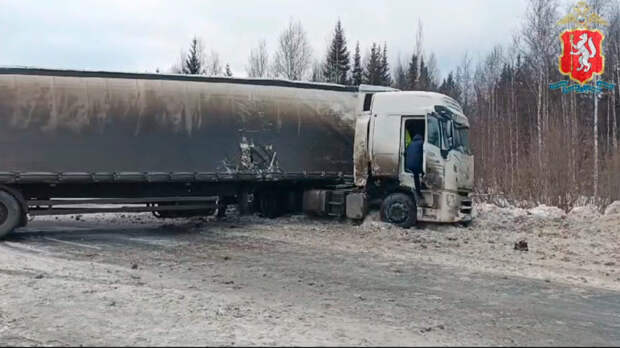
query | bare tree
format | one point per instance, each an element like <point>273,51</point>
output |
<point>419,43</point>
<point>533,144</point>
<point>317,72</point>
<point>598,6</point>
<point>177,68</point>
<point>213,66</point>
<point>433,70</point>
<point>614,37</point>
<point>293,56</point>
<point>539,34</point>
<point>258,61</point>
<point>464,81</point>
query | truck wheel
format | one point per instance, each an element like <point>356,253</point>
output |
<point>10,213</point>
<point>399,209</point>
<point>465,223</point>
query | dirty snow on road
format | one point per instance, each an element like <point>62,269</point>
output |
<point>134,280</point>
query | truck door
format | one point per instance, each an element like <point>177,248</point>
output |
<point>385,145</point>
<point>410,126</point>
<point>433,162</point>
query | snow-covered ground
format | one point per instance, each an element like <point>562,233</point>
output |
<point>581,246</point>
<point>130,279</point>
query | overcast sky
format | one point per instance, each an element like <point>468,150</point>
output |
<point>131,35</point>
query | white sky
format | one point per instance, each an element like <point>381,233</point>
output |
<point>132,35</point>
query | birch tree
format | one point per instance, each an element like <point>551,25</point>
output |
<point>539,35</point>
<point>213,65</point>
<point>293,56</point>
<point>258,61</point>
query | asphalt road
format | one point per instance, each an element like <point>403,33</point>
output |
<point>225,283</point>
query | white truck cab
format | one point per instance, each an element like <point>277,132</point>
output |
<point>379,155</point>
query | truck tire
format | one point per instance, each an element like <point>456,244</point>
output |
<point>465,223</point>
<point>10,213</point>
<point>399,209</point>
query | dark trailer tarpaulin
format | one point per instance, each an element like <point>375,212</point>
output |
<point>57,121</point>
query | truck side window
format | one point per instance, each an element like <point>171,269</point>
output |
<point>433,131</point>
<point>463,143</point>
<point>367,101</point>
<point>446,135</point>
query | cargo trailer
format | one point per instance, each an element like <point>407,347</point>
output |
<point>183,145</point>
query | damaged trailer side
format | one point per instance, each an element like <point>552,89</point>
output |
<point>63,122</point>
<point>144,138</point>
<point>183,145</point>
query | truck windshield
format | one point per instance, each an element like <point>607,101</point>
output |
<point>461,139</point>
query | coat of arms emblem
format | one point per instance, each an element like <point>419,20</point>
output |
<point>582,56</point>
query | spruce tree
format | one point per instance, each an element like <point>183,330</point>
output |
<point>450,88</point>
<point>400,76</point>
<point>412,73</point>
<point>424,81</point>
<point>373,74</point>
<point>337,65</point>
<point>357,66</point>
<point>386,76</point>
<point>228,73</point>
<point>192,65</point>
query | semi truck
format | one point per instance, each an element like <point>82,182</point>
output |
<point>78,142</point>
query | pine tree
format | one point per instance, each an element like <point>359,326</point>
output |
<point>193,63</point>
<point>412,73</point>
<point>357,66</point>
<point>386,76</point>
<point>337,64</point>
<point>400,76</point>
<point>450,88</point>
<point>424,81</point>
<point>228,73</point>
<point>373,74</point>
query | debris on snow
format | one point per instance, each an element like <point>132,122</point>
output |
<point>521,245</point>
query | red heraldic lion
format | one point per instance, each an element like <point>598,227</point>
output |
<point>582,55</point>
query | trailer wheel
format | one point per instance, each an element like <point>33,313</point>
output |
<point>399,209</point>
<point>10,213</point>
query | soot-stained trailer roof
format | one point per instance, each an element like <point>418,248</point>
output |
<point>174,77</point>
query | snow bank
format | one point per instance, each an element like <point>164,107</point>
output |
<point>586,212</point>
<point>490,211</point>
<point>547,212</point>
<point>613,208</point>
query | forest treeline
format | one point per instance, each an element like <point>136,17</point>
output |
<point>531,144</point>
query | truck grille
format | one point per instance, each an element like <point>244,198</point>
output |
<point>466,203</point>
